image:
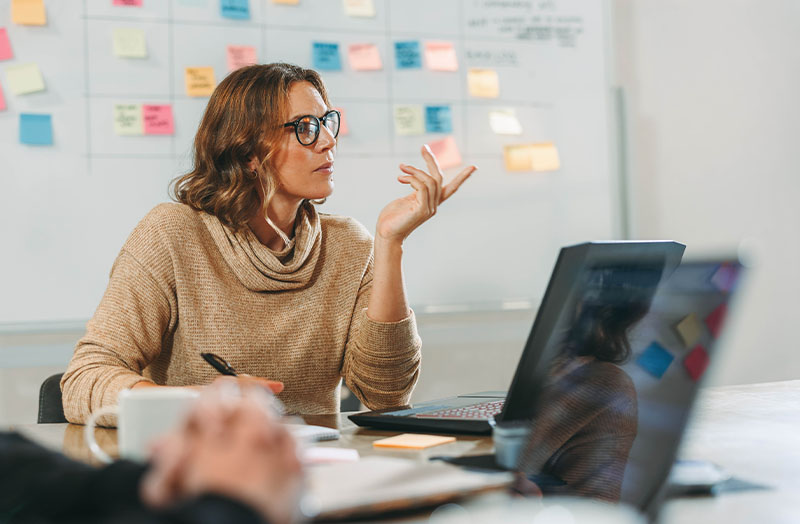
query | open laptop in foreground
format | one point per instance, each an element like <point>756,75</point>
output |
<point>471,413</point>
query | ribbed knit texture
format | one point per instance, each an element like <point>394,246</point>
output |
<point>184,284</point>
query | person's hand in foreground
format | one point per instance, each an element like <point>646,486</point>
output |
<point>231,444</point>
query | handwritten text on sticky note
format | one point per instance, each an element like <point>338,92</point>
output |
<point>28,12</point>
<point>325,56</point>
<point>441,56</point>
<point>35,129</point>
<point>128,119</point>
<point>200,81</point>
<point>483,83</point>
<point>446,152</point>
<point>24,79</point>
<point>407,55</point>
<point>158,119</point>
<point>438,119</point>
<point>129,43</point>
<point>408,120</point>
<point>240,56</point>
<point>364,57</point>
<point>235,9</point>
<point>359,8</point>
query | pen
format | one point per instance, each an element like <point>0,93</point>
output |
<point>219,364</point>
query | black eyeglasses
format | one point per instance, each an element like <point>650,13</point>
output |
<point>307,128</point>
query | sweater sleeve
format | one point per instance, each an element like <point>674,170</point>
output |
<point>382,359</point>
<point>122,338</point>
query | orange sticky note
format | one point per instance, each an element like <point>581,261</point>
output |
<point>343,129</point>
<point>240,56</point>
<point>531,157</point>
<point>441,56</point>
<point>200,81</point>
<point>364,57</point>
<point>28,12</point>
<point>483,83</point>
<point>413,441</point>
<point>287,2</point>
<point>158,119</point>
<point>446,152</point>
<point>5,45</point>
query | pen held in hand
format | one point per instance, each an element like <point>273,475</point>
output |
<point>219,364</point>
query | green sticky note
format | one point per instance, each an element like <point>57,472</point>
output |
<point>129,43</point>
<point>24,79</point>
<point>128,119</point>
<point>408,120</point>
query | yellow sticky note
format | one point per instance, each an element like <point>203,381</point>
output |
<point>359,8</point>
<point>504,122</point>
<point>129,43</point>
<point>483,83</point>
<point>689,329</point>
<point>200,81</point>
<point>24,79</point>
<point>364,57</point>
<point>446,152</point>
<point>408,120</point>
<point>441,56</point>
<point>28,12</point>
<point>531,157</point>
<point>413,441</point>
<point>287,2</point>
<point>128,119</point>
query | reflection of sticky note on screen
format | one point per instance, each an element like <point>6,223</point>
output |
<point>655,360</point>
<point>438,119</point>
<point>483,83</point>
<point>441,56</point>
<point>24,79</point>
<point>413,441</point>
<point>716,318</point>
<point>158,119</point>
<point>359,8</point>
<point>325,56</point>
<point>2,100</point>
<point>235,9</point>
<point>689,329</point>
<point>128,3</point>
<point>5,45</point>
<point>35,129</point>
<point>240,56</point>
<point>407,55</point>
<point>28,12</point>
<point>504,122</point>
<point>408,120</point>
<point>128,119</point>
<point>200,81</point>
<point>531,157</point>
<point>724,277</point>
<point>343,128</point>
<point>129,43</point>
<point>696,362</point>
<point>446,152</point>
<point>364,57</point>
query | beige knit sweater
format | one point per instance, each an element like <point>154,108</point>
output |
<point>184,283</point>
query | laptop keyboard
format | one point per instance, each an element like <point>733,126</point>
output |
<point>482,411</point>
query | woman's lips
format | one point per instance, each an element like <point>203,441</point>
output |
<point>326,169</point>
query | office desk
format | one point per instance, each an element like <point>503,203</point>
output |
<point>751,430</point>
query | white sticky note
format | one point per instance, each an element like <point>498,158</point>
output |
<point>128,119</point>
<point>359,8</point>
<point>504,122</point>
<point>408,120</point>
<point>129,43</point>
<point>24,79</point>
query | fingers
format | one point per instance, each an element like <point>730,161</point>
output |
<point>453,185</point>
<point>433,188</point>
<point>422,191</point>
<point>433,169</point>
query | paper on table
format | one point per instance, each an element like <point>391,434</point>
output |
<point>312,433</point>
<point>483,83</point>
<point>696,362</point>
<point>343,128</point>
<point>235,9</point>
<point>200,81</point>
<point>240,56</point>
<point>504,122</point>
<point>158,119</point>
<point>446,152</point>
<point>129,43</point>
<point>36,129</point>
<point>689,329</point>
<point>408,120</point>
<point>441,56</point>
<point>128,119</point>
<point>325,56</point>
<point>364,57</point>
<point>5,45</point>
<point>359,8</point>
<point>28,12</point>
<point>327,455</point>
<point>24,79</point>
<point>413,441</point>
<point>407,55</point>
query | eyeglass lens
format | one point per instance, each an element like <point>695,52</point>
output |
<point>308,127</point>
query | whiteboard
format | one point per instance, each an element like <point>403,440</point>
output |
<point>66,209</point>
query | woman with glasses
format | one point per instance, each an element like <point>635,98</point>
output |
<point>244,266</point>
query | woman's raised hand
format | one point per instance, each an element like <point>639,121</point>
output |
<point>404,215</point>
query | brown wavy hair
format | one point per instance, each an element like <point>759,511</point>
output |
<point>243,120</point>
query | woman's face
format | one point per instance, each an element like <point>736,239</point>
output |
<point>305,172</point>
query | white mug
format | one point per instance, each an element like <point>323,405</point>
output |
<point>142,415</point>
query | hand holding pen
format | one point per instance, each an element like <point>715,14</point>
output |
<point>221,365</point>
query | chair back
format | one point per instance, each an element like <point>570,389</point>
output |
<point>51,410</point>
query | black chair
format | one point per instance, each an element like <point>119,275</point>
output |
<point>51,410</point>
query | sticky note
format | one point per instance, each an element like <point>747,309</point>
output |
<point>128,119</point>
<point>24,79</point>
<point>504,122</point>
<point>364,57</point>
<point>5,45</point>
<point>483,83</point>
<point>28,12</point>
<point>200,81</point>
<point>689,329</point>
<point>2,100</point>
<point>531,157</point>
<point>655,360</point>
<point>408,120</point>
<point>35,129</point>
<point>407,55</point>
<point>343,128</point>
<point>325,56</point>
<point>724,277</point>
<point>696,362</point>
<point>359,8</point>
<point>441,56</point>
<point>235,9</point>
<point>129,43</point>
<point>287,2</point>
<point>128,3</point>
<point>412,441</point>
<point>240,56</point>
<point>446,152</point>
<point>716,318</point>
<point>158,119</point>
<point>438,119</point>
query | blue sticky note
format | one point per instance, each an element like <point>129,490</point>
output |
<point>438,119</point>
<point>235,9</point>
<point>407,55</point>
<point>325,56</point>
<point>655,360</point>
<point>36,130</point>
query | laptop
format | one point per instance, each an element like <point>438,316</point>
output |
<point>474,413</point>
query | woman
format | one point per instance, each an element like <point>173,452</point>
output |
<point>246,268</point>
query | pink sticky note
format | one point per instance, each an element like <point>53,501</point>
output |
<point>441,56</point>
<point>130,3</point>
<point>2,100</point>
<point>5,45</point>
<point>364,57</point>
<point>240,56</point>
<point>343,129</point>
<point>158,119</point>
<point>696,362</point>
<point>446,152</point>
<point>716,318</point>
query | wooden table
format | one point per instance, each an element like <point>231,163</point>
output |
<point>752,430</point>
